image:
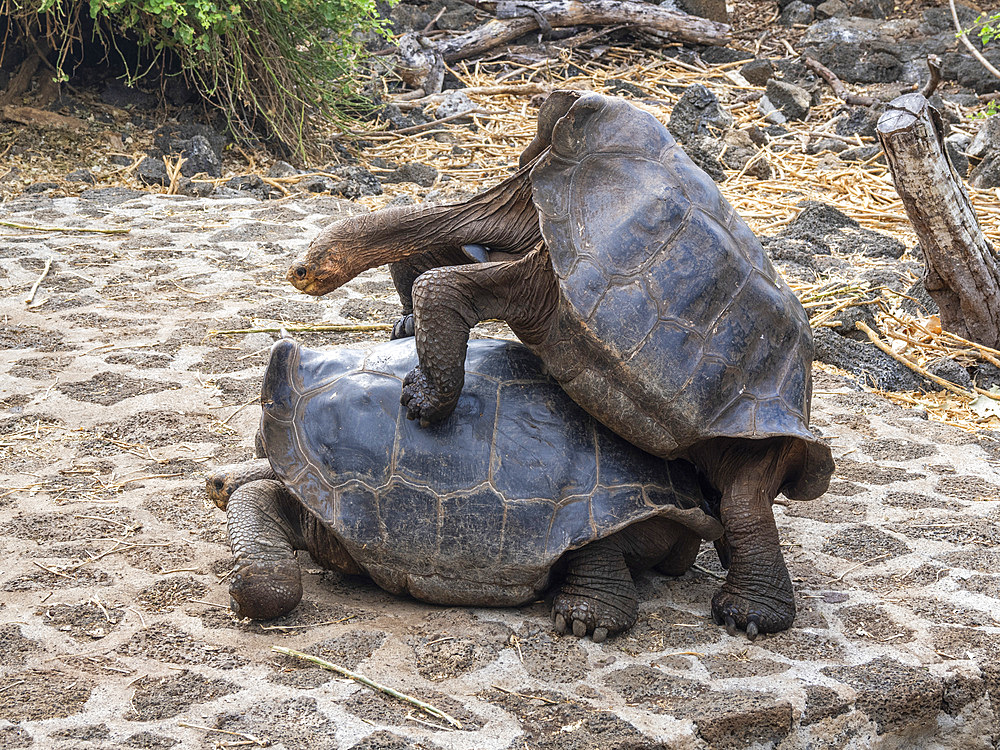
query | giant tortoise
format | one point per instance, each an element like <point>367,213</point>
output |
<point>648,299</point>
<point>518,493</point>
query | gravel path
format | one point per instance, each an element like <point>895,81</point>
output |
<point>115,401</point>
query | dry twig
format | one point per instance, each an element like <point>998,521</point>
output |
<point>337,327</point>
<point>38,282</point>
<point>426,707</point>
<point>35,228</point>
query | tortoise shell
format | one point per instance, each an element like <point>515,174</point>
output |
<point>486,501</point>
<point>688,322</point>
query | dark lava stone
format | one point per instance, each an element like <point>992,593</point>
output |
<point>893,694</point>
<point>698,112</point>
<point>757,71</point>
<point>950,370</point>
<point>868,364</point>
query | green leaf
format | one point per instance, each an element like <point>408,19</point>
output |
<point>987,406</point>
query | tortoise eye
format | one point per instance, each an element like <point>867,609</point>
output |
<point>300,272</point>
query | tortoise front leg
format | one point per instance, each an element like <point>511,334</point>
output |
<point>448,302</point>
<point>405,272</point>
<point>757,596</point>
<point>267,582</point>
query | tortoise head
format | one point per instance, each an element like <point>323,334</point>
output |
<point>353,245</point>
<point>221,485</point>
<point>333,259</point>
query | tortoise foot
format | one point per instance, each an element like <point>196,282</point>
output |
<point>402,328</point>
<point>752,614</point>
<point>586,616</point>
<point>264,590</point>
<point>422,402</point>
<point>597,597</point>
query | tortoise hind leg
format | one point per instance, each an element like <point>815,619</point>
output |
<point>757,596</point>
<point>598,595</point>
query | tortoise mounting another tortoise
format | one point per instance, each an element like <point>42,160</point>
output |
<point>649,301</point>
<point>520,493</point>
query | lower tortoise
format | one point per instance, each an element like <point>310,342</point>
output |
<point>520,494</point>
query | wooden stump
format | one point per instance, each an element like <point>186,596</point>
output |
<point>962,268</point>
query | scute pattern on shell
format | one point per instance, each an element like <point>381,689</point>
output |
<point>494,495</point>
<point>670,282</point>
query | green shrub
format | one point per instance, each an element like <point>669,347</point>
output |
<point>268,65</point>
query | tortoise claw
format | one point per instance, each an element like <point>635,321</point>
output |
<point>402,328</point>
<point>600,634</point>
<point>752,629</point>
<point>579,628</point>
<point>731,626</point>
<point>422,402</point>
<point>560,623</point>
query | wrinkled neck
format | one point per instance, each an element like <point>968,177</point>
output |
<point>502,218</point>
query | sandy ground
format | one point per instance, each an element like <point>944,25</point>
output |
<point>116,400</point>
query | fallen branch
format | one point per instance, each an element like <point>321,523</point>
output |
<point>532,14</point>
<point>36,228</point>
<point>839,89</point>
<point>34,116</point>
<point>425,707</point>
<point>336,327</point>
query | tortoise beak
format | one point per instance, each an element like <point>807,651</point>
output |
<point>315,279</point>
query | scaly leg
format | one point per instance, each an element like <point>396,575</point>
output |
<point>267,582</point>
<point>757,596</point>
<point>405,272</point>
<point>598,595</point>
<point>448,302</point>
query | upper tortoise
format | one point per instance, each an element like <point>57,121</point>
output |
<point>519,492</point>
<point>649,300</point>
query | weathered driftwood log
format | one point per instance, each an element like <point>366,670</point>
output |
<point>963,268</point>
<point>521,17</point>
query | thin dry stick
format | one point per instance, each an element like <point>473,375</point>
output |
<point>174,173</point>
<point>34,289</point>
<point>432,123</point>
<point>426,707</point>
<point>708,572</point>
<point>35,228</point>
<point>988,353</point>
<point>241,735</point>
<point>338,327</point>
<point>965,40</point>
<point>861,565</point>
